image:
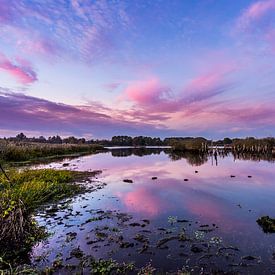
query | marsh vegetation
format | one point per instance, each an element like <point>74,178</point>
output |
<point>24,193</point>
<point>57,220</point>
<point>16,151</point>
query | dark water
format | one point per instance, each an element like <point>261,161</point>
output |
<point>210,199</point>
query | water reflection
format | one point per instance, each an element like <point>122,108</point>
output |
<point>192,158</point>
<point>121,152</point>
<point>208,195</point>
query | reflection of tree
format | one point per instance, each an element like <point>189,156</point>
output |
<point>193,158</point>
<point>254,156</point>
<point>125,152</point>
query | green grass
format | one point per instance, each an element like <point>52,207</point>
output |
<point>25,151</point>
<point>27,191</point>
<point>35,187</point>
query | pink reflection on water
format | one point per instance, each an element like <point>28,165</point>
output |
<point>210,195</point>
<point>143,201</point>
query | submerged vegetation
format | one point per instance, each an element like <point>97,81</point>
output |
<point>26,191</point>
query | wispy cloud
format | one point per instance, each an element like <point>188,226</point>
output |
<point>21,112</point>
<point>256,11</point>
<point>82,29</point>
<point>147,92</point>
<point>22,70</point>
<point>255,26</point>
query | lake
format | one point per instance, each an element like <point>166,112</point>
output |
<point>196,212</point>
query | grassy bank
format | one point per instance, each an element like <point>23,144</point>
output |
<point>26,151</point>
<point>25,192</point>
<point>190,144</point>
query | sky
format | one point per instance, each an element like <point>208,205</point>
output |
<point>98,68</point>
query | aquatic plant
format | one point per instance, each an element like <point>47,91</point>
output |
<point>108,266</point>
<point>147,270</point>
<point>199,235</point>
<point>267,224</point>
<point>172,219</point>
<point>215,240</point>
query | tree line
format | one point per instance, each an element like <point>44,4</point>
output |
<point>124,140</point>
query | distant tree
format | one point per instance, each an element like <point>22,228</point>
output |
<point>227,141</point>
<point>55,140</point>
<point>81,141</point>
<point>42,139</point>
<point>70,140</point>
<point>20,137</point>
<point>122,140</point>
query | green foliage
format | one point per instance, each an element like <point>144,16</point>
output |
<point>26,191</point>
<point>35,187</point>
<point>108,266</point>
<point>136,141</point>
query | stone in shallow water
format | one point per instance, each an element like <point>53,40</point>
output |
<point>128,180</point>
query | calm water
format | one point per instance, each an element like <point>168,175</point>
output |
<point>228,205</point>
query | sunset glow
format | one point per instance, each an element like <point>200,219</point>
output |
<point>98,68</point>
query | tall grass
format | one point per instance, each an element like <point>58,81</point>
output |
<point>252,145</point>
<point>26,191</point>
<point>24,151</point>
<point>192,144</point>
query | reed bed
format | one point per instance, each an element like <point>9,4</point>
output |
<point>24,151</point>
<point>255,146</point>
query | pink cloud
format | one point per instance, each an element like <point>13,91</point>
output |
<point>254,14</point>
<point>209,83</point>
<point>146,92</point>
<point>21,112</point>
<point>22,71</point>
<point>258,9</point>
<point>151,95</point>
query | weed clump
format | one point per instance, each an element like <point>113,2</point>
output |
<point>267,224</point>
